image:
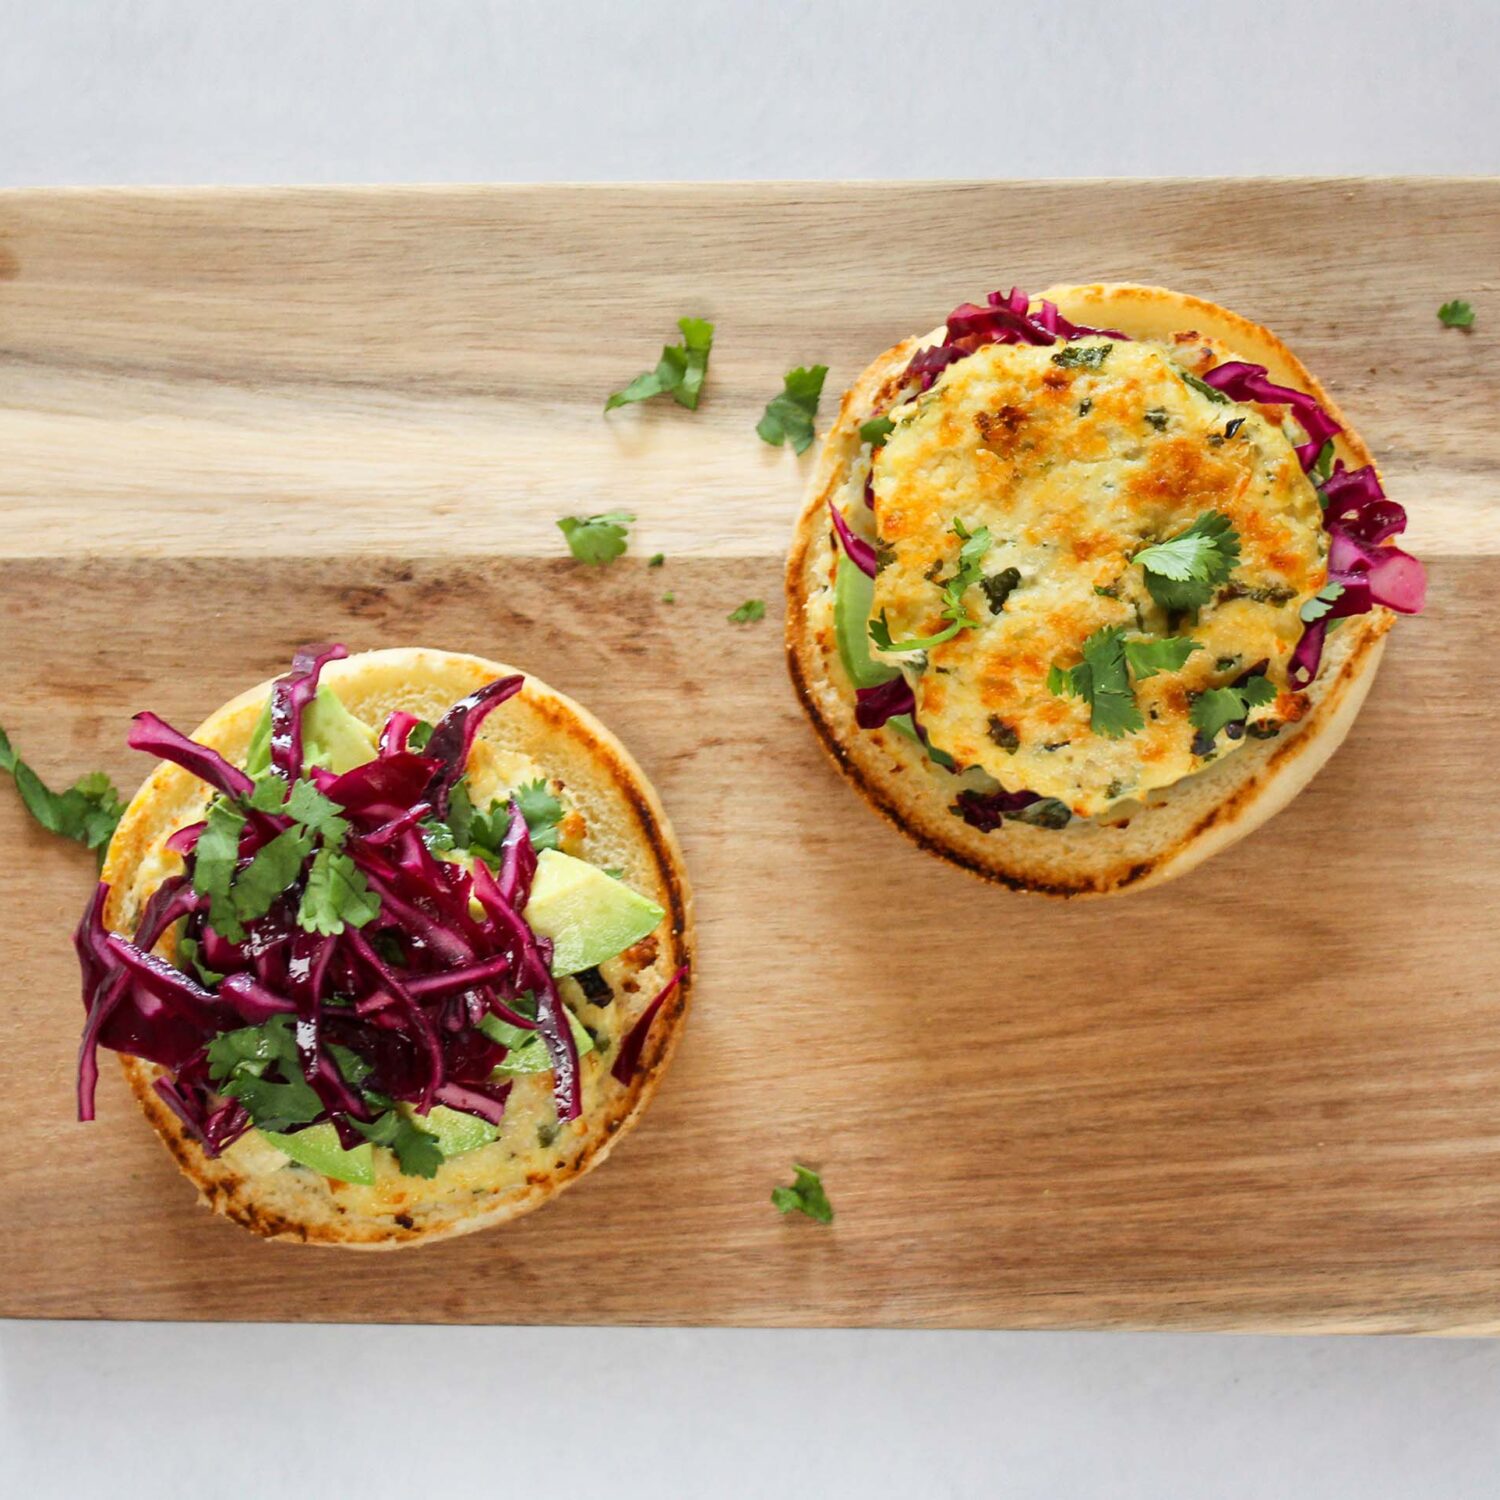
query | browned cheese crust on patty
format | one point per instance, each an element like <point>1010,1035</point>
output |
<point>1076,459</point>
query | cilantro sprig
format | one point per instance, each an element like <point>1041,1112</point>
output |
<point>416,1149</point>
<point>597,539</point>
<point>966,573</point>
<point>1103,679</point>
<point>806,1195</point>
<point>87,812</point>
<point>1456,314</point>
<point>259,1066</point>
<point>482,833</point>
<point>1183,572</point>
<point>679,373</point>
<point>789,416</point>
<point>335,893</point>
<point>749,611</point>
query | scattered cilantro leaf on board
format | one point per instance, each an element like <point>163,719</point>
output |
<point>1456,314</point>
<point>789,416</point>
<point>680,372</point>
<point>596,539</point>
<point>87,812</point>
<point>751,609</point>
<point>805,1196</point>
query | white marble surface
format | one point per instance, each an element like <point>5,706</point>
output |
<point>160,91</point>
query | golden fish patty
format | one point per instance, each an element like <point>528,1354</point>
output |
<point>1075,458</point>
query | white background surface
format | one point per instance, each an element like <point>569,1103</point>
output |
<point>174,91</point>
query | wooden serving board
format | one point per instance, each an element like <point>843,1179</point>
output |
<point>1267,1097</point>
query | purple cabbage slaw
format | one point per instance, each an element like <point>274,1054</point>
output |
<point>406,992</point>
<point>1358,515</point>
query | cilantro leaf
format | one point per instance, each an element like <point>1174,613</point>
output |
<point>656,559</point>
<point>317,813</point>
<point>542,811</point>
<point>244,1065</point>
<point>1082,356</point>
<point>1183,571</point>
<point>1456,314</point>
<point>596,539</point>
<point>1321,602</point>
<point>876,430</point>
<point>482,834</point>
<point>87,812</point>
<point>416,1150</point>
<point>880,634</point>
<point>967,573</point>
<point>214,860</point>
<point>420,733</point>
<point>272,869</point>
<point>269,794</point>
<point>751,609</point>
<point>354,1068</point>
<point>336,895</point>
<point>1103,682</point>
<point>1219,707</point>
<point>1147,658</point>
<point>804,1196</point>
<point>789,416</point>
<point>680,371</point>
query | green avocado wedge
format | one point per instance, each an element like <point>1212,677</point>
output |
<point>853,598</point>
<point>455,1131</point>
<point>331,736</point>
<point>318,1147</point>
<point>588,915</point>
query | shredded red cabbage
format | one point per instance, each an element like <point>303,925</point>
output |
<point>156,737</point>
<point>856,548</point>
<point>1246,382</point>
<point>873,706</point>
<point>405,993</point>
<point>628,1059</point>
<point>986,811</point>
<point>455,732</point>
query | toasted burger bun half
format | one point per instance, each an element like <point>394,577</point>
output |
<point>1173,829</point>
<point>253,1183</point>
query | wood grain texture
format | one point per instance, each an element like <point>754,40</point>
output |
<point>1265,1098</point>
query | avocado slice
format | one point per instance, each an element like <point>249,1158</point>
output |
<point>456,1131</point>
<point>528,1052</point>
<point>331,737</point>
<point>588,915</point>
<point>318,1147</point>
<point>853,598</point>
